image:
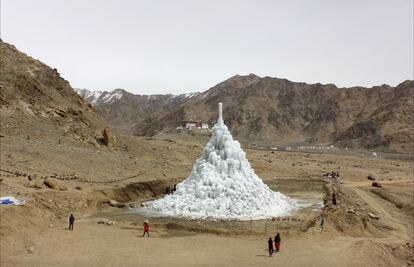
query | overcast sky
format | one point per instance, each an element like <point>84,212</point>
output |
<point>175,47</point>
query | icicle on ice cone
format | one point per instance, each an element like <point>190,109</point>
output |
<point>220,119</point>
<point>222,185</point>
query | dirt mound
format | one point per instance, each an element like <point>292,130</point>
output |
<point>140,190</point>
<point>399,199</point>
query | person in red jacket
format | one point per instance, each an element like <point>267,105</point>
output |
<point>278,240</point>
<point>146,228</point>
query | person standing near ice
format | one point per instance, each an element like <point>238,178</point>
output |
<point>270,246</point>
<point>71,222</point>
<point>278,240</point>
<point>146,228</point>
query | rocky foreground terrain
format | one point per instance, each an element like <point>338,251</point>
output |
<point>270,111</point>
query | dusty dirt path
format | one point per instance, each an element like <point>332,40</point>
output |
<point>121,245</point>
<point>92,244</point>
<point>382,208</point>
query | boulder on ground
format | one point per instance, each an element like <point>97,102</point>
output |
<point>37,182</point>
<point>54,184</point>
<point>114,203</point>
<point>373,216</point>
<point>107,137</point>
<point>376,184</point>
<point>134,205</point>
<point>51,183</point>
<point>106,221</point>
<point>351,211</point>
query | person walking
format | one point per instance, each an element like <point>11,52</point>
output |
<point>270,243</point>
<point>146,228</point>
<point>334,198</point>
<point>71,222</point>
<point>322,224</point>
<point>277,242</point>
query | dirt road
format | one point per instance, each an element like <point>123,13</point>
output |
<point>93,244</point>
<point>121,245</point>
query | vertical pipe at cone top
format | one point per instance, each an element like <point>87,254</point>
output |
<point>220,119</point>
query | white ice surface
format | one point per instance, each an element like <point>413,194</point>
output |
<point>223,186</point>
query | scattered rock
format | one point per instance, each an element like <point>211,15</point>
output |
<point>107,136</point>
<point>30,250</point>
<point>51,183</point>
<point>37,181</point>
<point>376,184</point>
<point>106,221</point>
<point>114,203</point>
<point>54,184</point>
<point>78,187</point>
<point>351,211</point>
<point>373,216</point>
<point>134,205</point>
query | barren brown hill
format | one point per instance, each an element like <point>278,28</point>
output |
<point>36,103</point>
<point>271,111</point>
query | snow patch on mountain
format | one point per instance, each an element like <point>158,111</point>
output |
<point>102,97</point>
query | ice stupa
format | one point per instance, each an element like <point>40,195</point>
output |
<point>222,185</point>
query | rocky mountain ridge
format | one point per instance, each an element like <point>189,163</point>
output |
<point>123,109</point>
<point>271,111</point>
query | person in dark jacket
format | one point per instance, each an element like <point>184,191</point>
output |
<point>270,243</point>
<point>278,240</point>
<point>334,198</point>
<point>322,224</point>
<point>71,222</point>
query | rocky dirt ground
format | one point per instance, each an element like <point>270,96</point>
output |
<point>83,178</point>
